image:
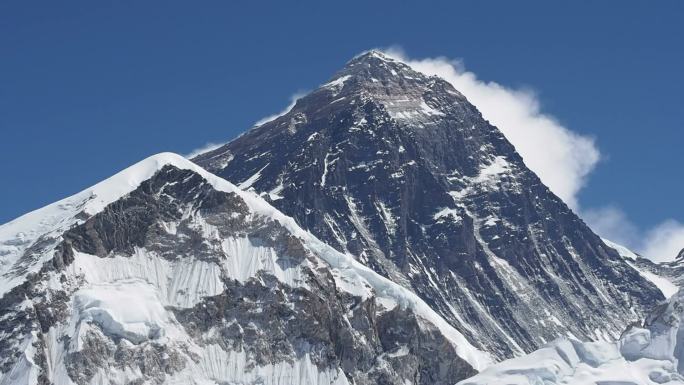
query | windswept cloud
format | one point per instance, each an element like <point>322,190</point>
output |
<point>560,157</point>
<point>293,101</point>
<point>660,243</point>
<point>205,148</point>
<point>664,241</point>
<point>612,223</point>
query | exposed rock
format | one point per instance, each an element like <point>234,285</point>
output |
<point>178,281</point>
<point>399,169</point>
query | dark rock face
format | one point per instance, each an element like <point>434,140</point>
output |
<point>275,323</point>
<point>400,170</point>
<point>177,216</point>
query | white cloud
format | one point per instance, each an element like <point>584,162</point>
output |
<point>560,157</point>
<point>212,145</point>
<point>665,241</point>
<point>612,223</point>
<point>207,147</point>
<point>660,243</point>
<point>293,101</point>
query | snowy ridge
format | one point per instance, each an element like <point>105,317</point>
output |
<point>667,287</point>
<point>623,251</point>
<point>18,235</point>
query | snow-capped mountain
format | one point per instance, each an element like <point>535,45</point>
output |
<point>167,274</point>
<point>400,170</point>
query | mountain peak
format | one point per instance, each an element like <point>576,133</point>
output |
<point>371,56</point>
<point>398,169</point>
<point>376,66</point>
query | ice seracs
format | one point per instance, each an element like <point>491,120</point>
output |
<point>647,353</point>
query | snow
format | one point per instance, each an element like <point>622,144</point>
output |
<point>16,236</point>
<point>489,172</point>
<point>337,84</point>
<point>568,361</point>
<point>245,259</point>
<point>275,192</point>
<point>235,367</point>
<point>346,265</point>
<point>623,251</point>
<point>386,303</point>
<point>25,372</point>
<point>247,183</point>
<point>389,220</point>
<point>647,355</point>
<point>447,212</point>
<point>325,170</point>
<point>128,309</point>
<point>131,310</point>
<point>427,110</point>
<point>181,283</point>
<point>408,109</point>
<point>663,284</point>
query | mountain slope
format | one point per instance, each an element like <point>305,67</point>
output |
<point>167,274</point>
<point>668,277</point>
<point>400,170</point>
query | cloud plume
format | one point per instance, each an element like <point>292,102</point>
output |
<point>563,159</point>
<point>202,149</point>
<point>293,101</point>
<point>560,157</point>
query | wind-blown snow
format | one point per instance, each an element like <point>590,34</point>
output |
<point>623,251</point>
<point>337,84</point>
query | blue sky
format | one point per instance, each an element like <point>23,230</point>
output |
<point>87,88</point>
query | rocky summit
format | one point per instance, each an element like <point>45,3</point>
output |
<point>399,170</point>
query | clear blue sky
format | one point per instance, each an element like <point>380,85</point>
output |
<point>89,87</point>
